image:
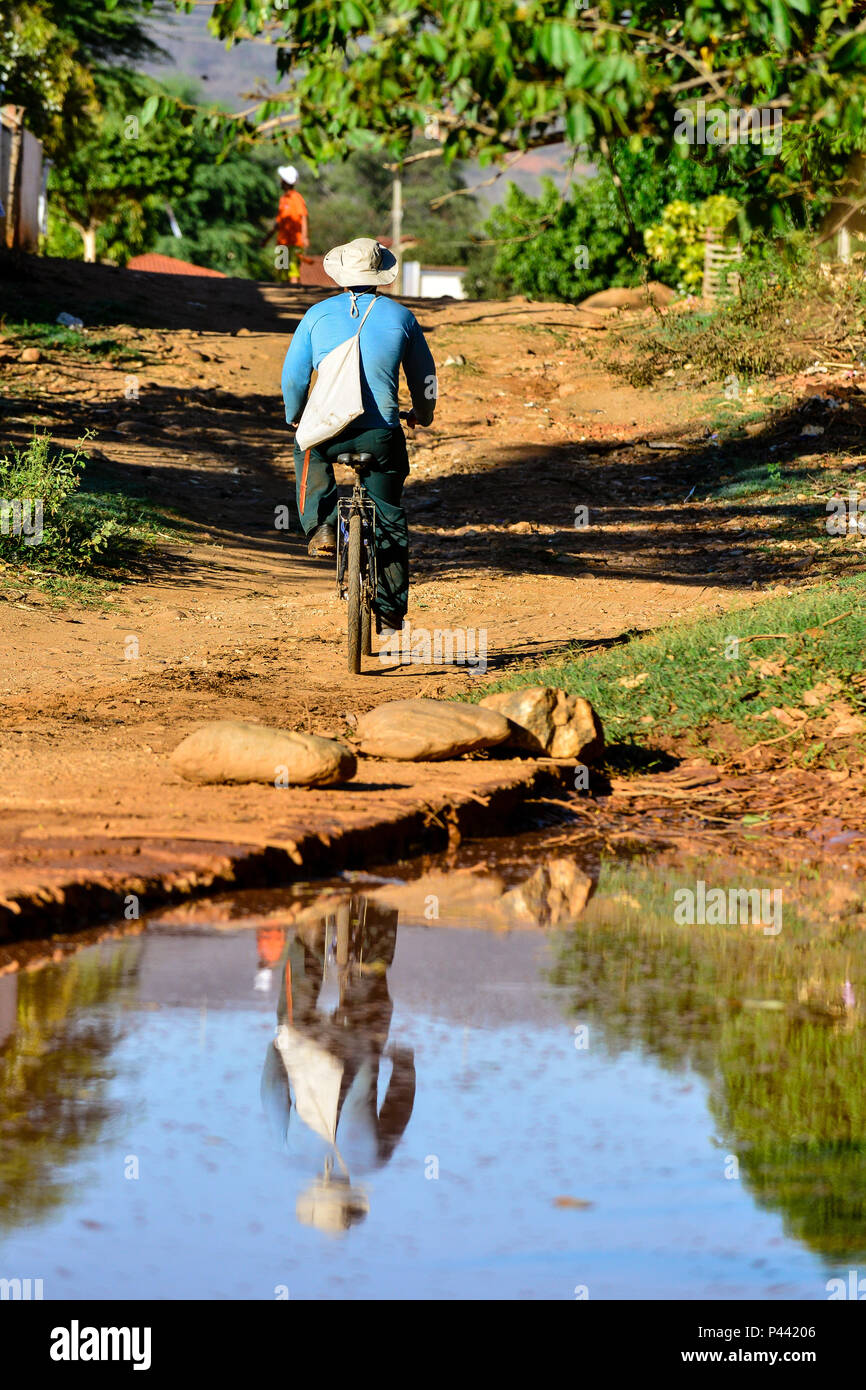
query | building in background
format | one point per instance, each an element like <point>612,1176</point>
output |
<point>21,182</point>
<point>156,264</point>
<point>433,281</point>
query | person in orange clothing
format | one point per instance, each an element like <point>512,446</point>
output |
<point>270,944</point>
<point>291,225</point>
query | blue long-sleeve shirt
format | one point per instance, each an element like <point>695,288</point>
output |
<point>391,338</point>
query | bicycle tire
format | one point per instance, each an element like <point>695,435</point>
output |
<point>354,593</point>
<point>366,633</point>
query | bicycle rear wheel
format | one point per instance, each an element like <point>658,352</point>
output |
<point>354,593</point>
<point>366,636</point>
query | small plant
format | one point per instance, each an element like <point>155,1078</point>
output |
<point>74,344</point>
<point>49,525</point>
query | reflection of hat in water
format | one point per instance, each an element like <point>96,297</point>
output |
<point>332,1205</point>
<point>262,980</point>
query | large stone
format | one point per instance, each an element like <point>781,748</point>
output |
<point>429,730</point>
<point>546,720</point>
<point>620,297</point>
<point>230,750</point>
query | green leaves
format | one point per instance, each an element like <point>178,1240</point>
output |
<point>149,109</point>
<point>781,24</point>
<point>430,45</point>
<point>560,44</point>
<point>519,73</point>
<point>578,125</point>
<point>351,15</point>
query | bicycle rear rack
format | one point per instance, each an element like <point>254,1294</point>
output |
<point>367,507</point>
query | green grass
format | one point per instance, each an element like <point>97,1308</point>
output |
<point>89,533</point>
<point>684,681</point>
<point>755,480</point>
<point>73,343</point>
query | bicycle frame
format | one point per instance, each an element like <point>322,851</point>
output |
<point>359,501</point>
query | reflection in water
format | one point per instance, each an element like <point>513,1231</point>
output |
<point>773,1025</point>
<point>55,1041</point>
<point>322,1070</point>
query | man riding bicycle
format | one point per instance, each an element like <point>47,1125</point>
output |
<point>391,338</point>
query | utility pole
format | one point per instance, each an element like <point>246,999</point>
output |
<point>397,225</point>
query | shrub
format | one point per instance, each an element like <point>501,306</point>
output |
<point>788,314</point>
<point>63,529</point>
<point>676,243</point>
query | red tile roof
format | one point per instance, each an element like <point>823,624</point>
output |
<point>313,274</point>
<point>168,265</point>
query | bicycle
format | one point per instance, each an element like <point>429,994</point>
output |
<point>356,554</point>
<point>356,558</point>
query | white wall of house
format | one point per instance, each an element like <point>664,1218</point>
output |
<point>25,234</point>
<point>432,282</point>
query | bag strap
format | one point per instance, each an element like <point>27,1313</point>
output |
<point>364,319</point>
<point>366,312</point>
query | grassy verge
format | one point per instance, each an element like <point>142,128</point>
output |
<point>782,321</point>
<point>75,344</point>
<point>63,536</point>
<point>790,668</point>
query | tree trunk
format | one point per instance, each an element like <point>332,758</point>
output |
<point>88,236</point>
<point>13,191</point>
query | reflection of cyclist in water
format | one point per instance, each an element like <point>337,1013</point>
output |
<point>322,1070</point>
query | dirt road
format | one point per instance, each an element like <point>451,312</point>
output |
<point>236,621</point>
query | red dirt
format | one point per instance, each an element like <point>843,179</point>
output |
<point>237,621</point>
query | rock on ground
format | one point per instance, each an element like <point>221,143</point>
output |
<point>621,297</point>
<point>230,750</point>
<point>429,730</point>
<point>546,720</point>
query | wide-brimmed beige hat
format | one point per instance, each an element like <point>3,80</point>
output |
<point>361,262</point>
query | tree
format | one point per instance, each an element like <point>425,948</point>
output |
<point>57,55</point>
<point>676,243</point>
<point>39,68</point>
<point>131,162</point>
<point>223,211</point>
<point>353,198</point>
<point>500,76</point>
<point>568,244</point>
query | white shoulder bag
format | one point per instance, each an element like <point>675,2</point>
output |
<point>335,400</point>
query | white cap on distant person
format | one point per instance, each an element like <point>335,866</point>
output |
<point>288,173</point>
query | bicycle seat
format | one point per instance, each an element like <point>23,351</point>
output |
<point>355,460</point>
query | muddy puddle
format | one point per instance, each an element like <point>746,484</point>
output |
<point>528,1070</point>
